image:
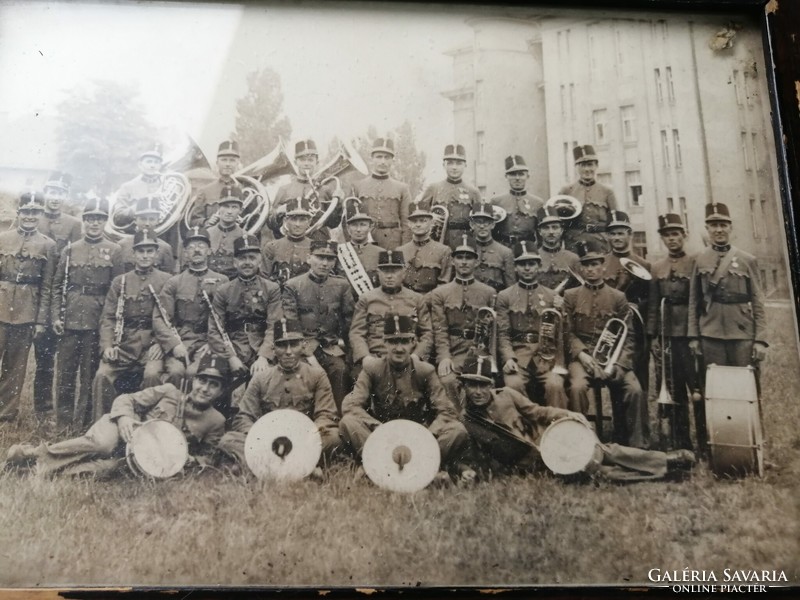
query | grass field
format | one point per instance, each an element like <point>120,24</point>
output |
<point>220,529</point>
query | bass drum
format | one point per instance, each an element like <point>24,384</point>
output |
<point>735,437</point>
<point>569,446</point>
<point>157,449</point>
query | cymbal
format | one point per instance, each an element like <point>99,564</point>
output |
<point>401,456</point>
<point>283,444</point>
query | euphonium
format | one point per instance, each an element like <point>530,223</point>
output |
<point>551,339</point>
<point>610,343</point>
<point>485,337</point>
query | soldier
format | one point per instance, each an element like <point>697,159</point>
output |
<point>359,226</point>
<point>427,261</point>
<point>520,206</point>
<point>148,211</point>
<point>452,193</point>
<point>222,235</point>
<point>532,365</point>
<point>400,386</point>
<point>147,183</point>
<point>596,199</point>
<point>670,286</point>
<point>385,199</point>
<point>454,308</point>
<point>204,208</point>
<point>27,262</point>
<point>292,383</point>
<point>495,261</point>
<point>727,323</point>
<point>366,331</point>
<point>287,257</point>
<point>559,265</point>
<point>588,309</point>
<point>184,338</point>
<point>85,271</point>
<point>323,305</point>
<point>98,450</point>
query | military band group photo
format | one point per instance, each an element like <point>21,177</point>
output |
<point>444,339</point>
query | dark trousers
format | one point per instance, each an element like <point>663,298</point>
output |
<point>44,347</point>
<point>682,381</point>
<point>730,353</point>
<point>78,356</point>
<point>338,375</point>
<point>15,345</point>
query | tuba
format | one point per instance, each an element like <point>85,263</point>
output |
<point>551,339</point>
<point>610,343</point>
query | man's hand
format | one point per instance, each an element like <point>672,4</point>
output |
<point>155,352</point>
<point>58,327</point>
<point>212,220</point>
<point>510,367</point>
<point>558,302</point>
<point>759,352</point>
<point>38,331</point>
<point>111,354</point>
<point>237,366</point>
<point>261,365</point>
<point>591,366</point>
<point>180,352</point>
<point>126,426</point>
<point>445,367</point>
<point>696,349</point>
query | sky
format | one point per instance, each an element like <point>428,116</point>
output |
<point>342,68</point>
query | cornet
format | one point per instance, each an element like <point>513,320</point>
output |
<point>609,345</point>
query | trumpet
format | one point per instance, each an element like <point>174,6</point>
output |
<point>551,339</point>
<point>609,345</point>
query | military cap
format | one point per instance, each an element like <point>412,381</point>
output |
<point>287,330</point>
<point>466,246</point>
<point>213,366</point>
<point>324,248</point>
<point>231,193</point>
<point>717,211</point>
<point>515,163</point>
<point>383,144</point>
<point>145,237</point>
<point>547,214</point>
<point>155,152</point>
<point>60,180</point>
<point>418,209</point>
<point>590,250</point>
<point>477,369</point>
<point>482,209</point>
<point>525,250</point>
<point>197,233</point>
<point>391,258</point>
<point>584,153</point>
<point>353,210</point>
<point>298,206</point>
<point>245,243</point>
<point>96,206</point>
<point>618,218</point>
<point>455,152</point>
<point>229,148</point>
<point>670,221</point>
<point>31,200</point>
<point>399,326</point>
<point>148,205</point>
<point>305,147</point>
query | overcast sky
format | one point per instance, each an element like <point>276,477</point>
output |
<point>342,68</point>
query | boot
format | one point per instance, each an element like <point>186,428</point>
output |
<point>680,460</point>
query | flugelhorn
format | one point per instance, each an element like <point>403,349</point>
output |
<point>609,345</point>
<point>551,339</point>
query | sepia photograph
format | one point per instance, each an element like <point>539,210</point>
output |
<point>394,295</point>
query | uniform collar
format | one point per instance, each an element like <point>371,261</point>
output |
<point>25,233</point>
<point>387,290</point>
<point>224,229</point>
<point>226,180</point>
<point>294,239</point>
<point>421,242</point>
<point>721,249</point>
<point>454,181</point>
<point>91,240</point>
<point>518,193</point>
<point>528,286</point>
<point>679,254</point>
<point>316,278</point>
<point>623,254</point>
<point>196,406</point>
<point>198,272</point>
<point>380,177</point>
<point>461,281</point>
<point>52,215</point>
<point>151,178</point>
<point>555,250</point>
<point>589,183</point>
<point>143,272</point>
<point>247,280</point>
<point>594,286</point>
<point>484,244</point>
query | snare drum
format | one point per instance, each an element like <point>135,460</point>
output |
<point>735,437</point>
<point>157,449</point>
<point>568,446</point>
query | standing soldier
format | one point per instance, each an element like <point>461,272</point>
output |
<point>727,322</point>
<point>206,201</point>
<point>532,352</point>
<point>520,206</point>
<point>427,261</point>
<point>222,235</point>
<point>147,183</point>
<point>359,227</point>
<point>452,193</point>
<point>495,261</point>
<point>126,325</point>
<point>184,336</point>
<point>323,305</point>
<point>559,265</point>
<point>287,257</point>
<point>670,287</point>
<point>588,309</point>
<point>454,308</point>
<point>596,200</point>
<point>85,272</point>
<point>148,211</point>
<point>385,199</point>
<point>27,261</point>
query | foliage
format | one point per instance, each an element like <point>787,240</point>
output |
<point>260,121</point>
<point>409,162</point>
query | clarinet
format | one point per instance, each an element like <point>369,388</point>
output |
<point>62,311</point>
<point>119,315</point>
<point>225,337</point>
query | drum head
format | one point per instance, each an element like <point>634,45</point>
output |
<point>401,456</point>
<point>568,446</point>
<point>283,444</point>
<point>157,449</point>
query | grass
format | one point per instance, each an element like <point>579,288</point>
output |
<point>220,529</point>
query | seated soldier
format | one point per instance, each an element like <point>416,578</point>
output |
<point>99,451</point>
<point>527,421</point>
<point>293,384</point>
<point>400,386</point>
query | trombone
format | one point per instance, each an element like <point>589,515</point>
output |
<point>666,419</point>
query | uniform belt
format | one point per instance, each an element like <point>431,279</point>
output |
<point>195,327</point>
<point>730,298</point>
<point>595,228</point>
<point>20,278</point>
<point>252,325</point>
<point>138,322</point>
<point>679,301</point>
<point>386,225</point>
<point>525,338</point>
<point>88,290</point>
<point>466,334</point>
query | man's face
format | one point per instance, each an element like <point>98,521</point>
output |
<point>150,165</point>
<point>464,263</point>
<point>482,227</point>
<point>54,197</point>
<point>226,165</point>
<point>93,225</point>
<point>145,220</point>
<point>391,277</point>
<point>551,234</point>
<point>307,163</point>
<point>247,263</point>
<point>420,226</point>
<point>477,393</point>
<point>321,265</point>
<point>382,163</point>
<point>587,170</point>
<point>229,212</point>
<point>719,232</point>
<point>593,270</point>
<point>400,349</point>
<point>196,252</point>
<point>673,239</point>
<point>206,389</point>
<point>619,238</point>
<point>144,256</point>
<point>297,225</point>
<point>517,180</point>
<point>454,168</point>
<point>359,230</point>
<point>527,270</point>
<point>288,353</point>
<point>29,218</point>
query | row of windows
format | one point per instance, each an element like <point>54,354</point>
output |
<point>664,82</point>
<point>741,88</point>
<point>671,149</point>
<point>627,118</point>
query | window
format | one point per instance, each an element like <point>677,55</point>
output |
<point>774,279</point>
<point>737,87</point>
<point>676,146</point>
<point>593,49</point>
<point>670,85</point>
<point>745,152</point>
<point>634,183</point>
<point>684,213</point>
<point>756,165</point>
<point>640,243</point>
<point>763,274</point>
<point>604,178</point>
<point>664,30</point>
<point>747,95</point>
<point>563,103</point>
<point>763,215</point>
<point>670,204</point>
<point>659,86</point>
<point>572,102</point>
<point>600,119</point>
<point>619,44</point>
<point>754,217</point>
<point>481,146</point>
<point>628,118</point>
<point>567,161</point>
<point>665,148</point>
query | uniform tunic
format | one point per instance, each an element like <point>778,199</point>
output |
<point>427,264</point>
<point>387,201</point>
<point>520,222</point>
<point>495,265</point>
<point>220,258</point>
<point>165,261</point>
<point>556,267</point>
<point>300,187</point>
<point>597,201</point>
<point>128,193</point>
<point>206,201</point>
<point>368,254</point>
<point>27,262</point>
<point>286,258</point>
<point>458,197</point>
<point>61,228</point>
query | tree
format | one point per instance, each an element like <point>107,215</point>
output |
<point>101,134</point>
<point>409,163</point>
<point>259,116</point>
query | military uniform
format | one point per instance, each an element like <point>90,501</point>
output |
<point>221,258</point>
<point>387,201</point>
<point>458,197</point>
<point>127,195</point>
<point>520,222</point>
<point>286,258</point>
<point>556,266</point>
<point>165,261</point>
<point>206,201</point>
<point>495,265</point>
<point>636,290</point>
<point>300,187</point>
<point>368,254</point>
<point>427,264</point>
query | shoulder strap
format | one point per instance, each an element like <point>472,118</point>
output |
<point>722,267</point>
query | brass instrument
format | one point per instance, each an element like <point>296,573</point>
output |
<point>441,216</point>
<point>485,336</point>
<point>572,275</point>
<point>635,270</point>
<point>320,215</point>
<point>609,345</point>
<point>567,207</point>
<point>62,309</point>
<point>551,339</point>
<point>665,401</point>
<point>499,214</point>
<point>119,315</point>
<point>353,268</point>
